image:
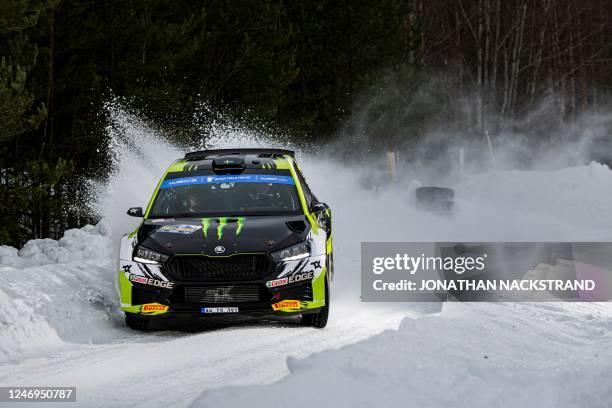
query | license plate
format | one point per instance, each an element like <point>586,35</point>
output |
<point>219,310</point>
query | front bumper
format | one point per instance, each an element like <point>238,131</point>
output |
<point>284,289</point>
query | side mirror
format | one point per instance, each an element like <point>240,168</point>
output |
<point>319,207</point>
<point>135,212</point>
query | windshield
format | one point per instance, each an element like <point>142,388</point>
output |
<point>243,194</point>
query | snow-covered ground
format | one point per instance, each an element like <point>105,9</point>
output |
<point>60,323</point>
<point>470,355</point>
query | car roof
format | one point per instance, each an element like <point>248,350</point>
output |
<point>261,152</point>
<point>269,159</point>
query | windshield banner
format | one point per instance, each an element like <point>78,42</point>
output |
<point>241,178</point>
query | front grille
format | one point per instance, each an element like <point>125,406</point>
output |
<point>201,268</point>
<point>222,294</point>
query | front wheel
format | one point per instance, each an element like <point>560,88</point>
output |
<point>319,319</point>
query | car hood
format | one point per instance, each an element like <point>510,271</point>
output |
<point>223,236</point>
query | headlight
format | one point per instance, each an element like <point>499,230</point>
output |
<point>297,251</point>
<point>146,255</point>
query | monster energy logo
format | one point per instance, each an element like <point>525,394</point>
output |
<point>222,222</point>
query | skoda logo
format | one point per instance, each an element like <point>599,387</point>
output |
<point>219,249</point>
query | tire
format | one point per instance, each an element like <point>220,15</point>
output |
<point>330,266</point>
<point>318,320</point>
<point>136,322</point>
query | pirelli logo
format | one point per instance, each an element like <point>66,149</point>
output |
<point>154,308</point>
<point>287,306</point>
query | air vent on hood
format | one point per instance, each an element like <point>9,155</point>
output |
<point>297,226</point>
<point>144,231</point>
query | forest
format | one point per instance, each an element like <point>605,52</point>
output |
<point>306,69</point>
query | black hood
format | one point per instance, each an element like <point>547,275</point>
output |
<point>222,236</point>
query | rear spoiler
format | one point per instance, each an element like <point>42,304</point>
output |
<point>209,154</point>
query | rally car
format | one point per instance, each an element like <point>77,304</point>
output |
<point>229,232</point>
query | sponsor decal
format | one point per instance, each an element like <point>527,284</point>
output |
<point>154,308</point>
<point>300,277</point>
<point>156,220</point>
<point>150,281</point>
<point>221,294</point>
<point>277,282</point>
<point>222,222</point>
<point>287,306</point>
<point>219,179</point>
<point>185,181</point>
<point>316,264</point>
<point>219,249</point>
<point>219,310</point>
<point>184,229</point>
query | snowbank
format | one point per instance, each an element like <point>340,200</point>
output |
<point>470,355</point>
<point>57,291</point>
<point>86,243</point>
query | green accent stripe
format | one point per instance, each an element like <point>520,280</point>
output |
<point>180,165</point>
<point>282,163</point>
<point>205,225</point>
<point>131,309</point>
<point>125,289</point>
<point>240,223</point>
<point>133,233</point>
<point>222,222</point>
<point>318,291</point>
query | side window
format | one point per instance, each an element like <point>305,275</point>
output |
<point>310,198</point>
